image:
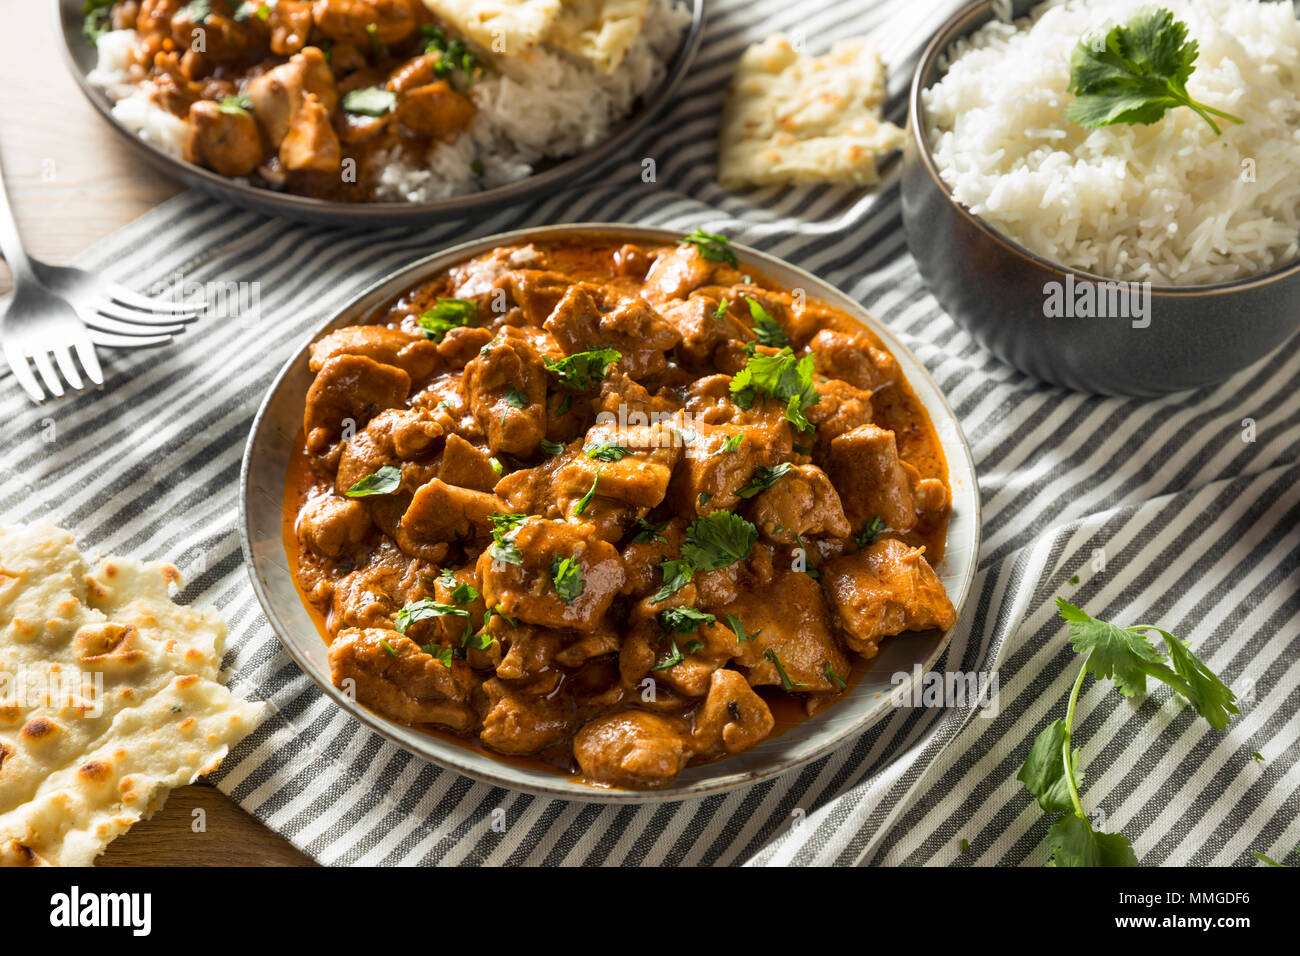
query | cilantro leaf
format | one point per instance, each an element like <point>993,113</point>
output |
<point>648,532</point>
<point>833,677</point>
<point>516,399</point>
<point>718,540</point>
<point>766,329</point>
<point>712,246</point>
<point>677,574</point>
<point>551,447</point>
<point>782,377</point>
<point>422,610</point>
<point>448,314</point>
<point>763,479</point>
<point>672,660</point>
<point>1044,771</point>
<point>869,532</point>
<point>738,629</point>
<point>1075,843</point>
<point>1212,698</point>
<point>576,372</point>
<point>605,451</point>
<point>684,620</point>
<point>566,575</point>
<point>383,482</point>
<point>503,548</point>
<point>1113,652</point>
<point>786,682</point>
<point>1137,73</point>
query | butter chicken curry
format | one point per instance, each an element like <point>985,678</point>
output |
<point>604,504</point>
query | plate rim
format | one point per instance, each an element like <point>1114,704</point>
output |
<point>442,753</point>
<point>568,171</point>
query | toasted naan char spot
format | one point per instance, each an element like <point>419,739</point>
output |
<point>599,31</point>
<point>794,118</point>
<point>504,27</point>
<point>78,767</point>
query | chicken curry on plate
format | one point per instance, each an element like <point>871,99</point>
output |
<point>606,504</point>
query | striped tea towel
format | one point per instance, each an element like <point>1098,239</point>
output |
<point>1184,511</point>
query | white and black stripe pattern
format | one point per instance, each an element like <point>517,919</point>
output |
<point>1201,532</point>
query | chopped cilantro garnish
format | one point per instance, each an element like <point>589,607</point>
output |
<point>869,532</point>
<point>712,246</point>
<point>383,482</point>
<point>786,682</point>
<point>551,447</point>
<point>677,574</point>
<point>763,479</point>
<point>718,540</point>
<point>672,660</point>
<point>516,399</point>
<point>577,371</point>
<point>648,532</point>
<point>370,101</point>
<point>684,620</point>
<point>833,677</point>
<point>448,314</point>
<point>766,329</point>
<point>738,628</point>
<point>782,377</point>
<point>566,575</point>
<point>605,451</point>
<point>423,609</point>
<point>585,500</point>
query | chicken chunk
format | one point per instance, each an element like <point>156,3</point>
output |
<point>583,319</point>
<point>802,502</point>
<point>678,272</point>
<point>390,673</point>
<point>865,467</point>
<point>522,723</point>
<point>886,589</point>
<point>311,142</point>
<point>279,93</point>
<point>413,354</point>
<point>350,388</point>
<point>789,627</point>
<point>441,512</point>
<point>224,140</point>
<point>854,359</point>
<point>527,590</point>
<point>290,23</point>
<point>640,477</point>
<point>633,748</point>
<point>361,21</point>
<point>733,717</point>
<point>330,525</point>
<point>466,465</point>
<point>506,384</point>
<point>433,111</point>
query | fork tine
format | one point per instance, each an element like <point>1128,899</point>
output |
<point>89,360</point>
<point>97,321</point>
<point>48,376</point>
<point>63,357</point>
<point>109,340</point>
<point>127,297</point>
<point>115,310</point>
<point>23,372</point>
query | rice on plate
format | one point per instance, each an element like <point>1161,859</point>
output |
<point>1171,203</point>
<point>540,102</point>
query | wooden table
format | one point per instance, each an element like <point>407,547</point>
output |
<point>72,183</point>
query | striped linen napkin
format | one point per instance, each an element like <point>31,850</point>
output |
<point>1160,508</point>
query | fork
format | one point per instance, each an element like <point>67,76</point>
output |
<point>56,310</point>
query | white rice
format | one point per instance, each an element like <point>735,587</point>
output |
<point>1169,203</point>
<point>545,105</point>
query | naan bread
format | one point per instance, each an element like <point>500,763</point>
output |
<point>599,31</point>
<point>504,27</point>
<point>793,118</point>
<point>80,764</point>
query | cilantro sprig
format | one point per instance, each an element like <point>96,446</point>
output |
<point>1125,656</point>
<point>448,314</point>
<point>1137,72</point>
<point>712,246</point>
<point>782,377</point>
<point>577,371</point>
<point>566,575</point>
<point>382,482</point>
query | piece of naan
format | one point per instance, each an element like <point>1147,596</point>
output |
<point>503,27</point>
<point>598,31</point>
<point>795,118</point>
<point>109,696</point>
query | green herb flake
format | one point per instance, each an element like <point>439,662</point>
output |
<point>566,575</point>
<point>648,532</point>
<point>766,329</point>
<point>676,574</point>
<point>833,677</point>
<point>448,314</point>
<point>672,660</point>
<point>763,479</point>
<point>236,105</point>
<point>605,451</point>
<point>551,447</point>
<point>422,610</point>
<point>712,246</point>
<point>576,372</point>
<point>738,628</point>
<point>516,399</point>
<point>869,532</point>
<point>786,682</point>
<point>781,377</point>
<point>585,500</point>
<point>684,620</point>
<point>383,482</point>
<point>718,540</point>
